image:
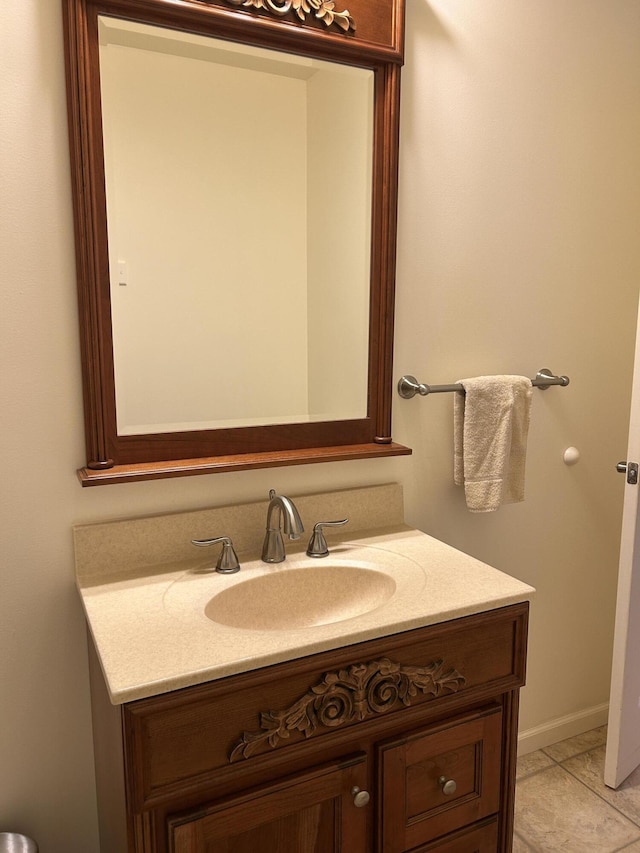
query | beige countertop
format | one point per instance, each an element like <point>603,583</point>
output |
<point>152,634</point>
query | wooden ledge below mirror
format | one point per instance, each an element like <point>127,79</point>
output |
<point>240,462</point>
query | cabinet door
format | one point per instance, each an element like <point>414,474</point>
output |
<point>439,780</point>
<point>311,813</point>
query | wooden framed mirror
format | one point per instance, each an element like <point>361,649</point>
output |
<point>234,169</point>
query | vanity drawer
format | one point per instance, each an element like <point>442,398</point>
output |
<point>439,779</point>
<point>480,839</point>
<point>248,726</point>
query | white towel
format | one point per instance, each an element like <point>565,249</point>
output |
<point>491,423</point>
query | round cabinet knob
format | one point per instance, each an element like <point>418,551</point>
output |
<point>448,785</point>
<point>360,798</point>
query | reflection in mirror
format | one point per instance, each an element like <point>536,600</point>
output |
<point>238,185</point>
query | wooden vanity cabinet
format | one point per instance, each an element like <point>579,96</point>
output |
<point>403,743</point>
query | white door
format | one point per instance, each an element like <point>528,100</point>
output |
<point>623,738</point>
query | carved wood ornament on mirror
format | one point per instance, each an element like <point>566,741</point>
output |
<point>369,34</point>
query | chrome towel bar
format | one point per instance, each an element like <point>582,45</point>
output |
<point>408,386</point>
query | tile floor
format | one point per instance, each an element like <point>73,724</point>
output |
<point>563,804</point>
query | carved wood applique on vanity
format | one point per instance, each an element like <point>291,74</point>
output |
<point>350,695</point>
<point>323,10</point>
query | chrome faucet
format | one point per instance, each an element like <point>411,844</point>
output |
<point>281,515</point>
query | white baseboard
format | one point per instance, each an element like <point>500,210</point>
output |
<point>561,728</point>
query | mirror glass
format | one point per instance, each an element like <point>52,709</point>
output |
<point>238,185</point>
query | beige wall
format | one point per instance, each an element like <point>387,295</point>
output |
<point>518,215</point>
<point>520,204</point>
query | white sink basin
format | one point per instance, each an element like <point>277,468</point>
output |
<point>301,597</point>
<point>353,583</point>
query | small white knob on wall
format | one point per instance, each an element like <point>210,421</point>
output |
<point>571,456</point>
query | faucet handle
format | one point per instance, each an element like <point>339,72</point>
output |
<point>228,562</point>
<point>318,544</point>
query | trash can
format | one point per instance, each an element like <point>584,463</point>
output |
<point>13,842</point>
